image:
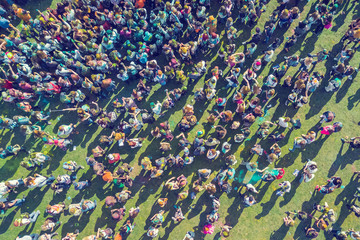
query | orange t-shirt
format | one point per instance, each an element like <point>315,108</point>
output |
<point>118,237</point>
<point>139,3</point>
<point>107,177</point>
<point>357,33</point>
<point>25,17</point>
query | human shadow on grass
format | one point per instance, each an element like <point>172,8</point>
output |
<point>197,208</point>
<point>342,160</point>
<point>317,101</point>
<point>340,19</point>
<point>10,167</point>
<point>168,230</point>
<point>7,221</point>
<point>234,213</point>
<point>58,197</point>
<point>300,229</point>
<point>288,159</point>
<point>57,156</point>
<point>76,223</point>
<point>262,190</point>
<point>312,150</point>
<point>344,213</point>
<point>28,229</point>
<point>354,100</point>
<point>341,93</point>
<point>299,233</point>
<point>266,207</point>
<point>288,196</point>
<point>280,233</point>
<point>34,198</point>
<point>87,131</point>
<point>105,219</point>
<point>347,194</point>
<point>316,197</point>
<point>147,190</point>
<point>96,189</point>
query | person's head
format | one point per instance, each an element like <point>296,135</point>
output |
<point>337,181</point>
<point>115,215</point>
<point>304,99</point>
<point>44,227</point>
<point>271,92</point>
<point>72,211</point>
<point>294,58</point>
<point>308,60</point>
<point>7,183</point>
<point>16,223</point>
<point>53,186</point>
<point>295,10</point>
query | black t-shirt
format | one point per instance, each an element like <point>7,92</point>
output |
<point>256,38</point>
<point>355,145</point>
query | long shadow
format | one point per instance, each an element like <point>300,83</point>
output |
<point>280,233</point>
<point>354,100</point>
<point>342,160</point>
<point>266,207</point>
<point>288,196</point>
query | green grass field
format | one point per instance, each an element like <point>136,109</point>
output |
<point>262,221</point>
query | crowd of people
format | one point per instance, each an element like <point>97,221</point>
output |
<point>84,50</point>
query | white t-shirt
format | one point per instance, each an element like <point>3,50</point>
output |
<point>3,188</point>
<point>39,181</point>
<point>3,192</point>
<point>14,183</point>
<point>27,237</point>
<point>282,123</point>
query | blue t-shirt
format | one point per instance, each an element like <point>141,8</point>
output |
<point>4,23</point>
<point>2,11</point>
